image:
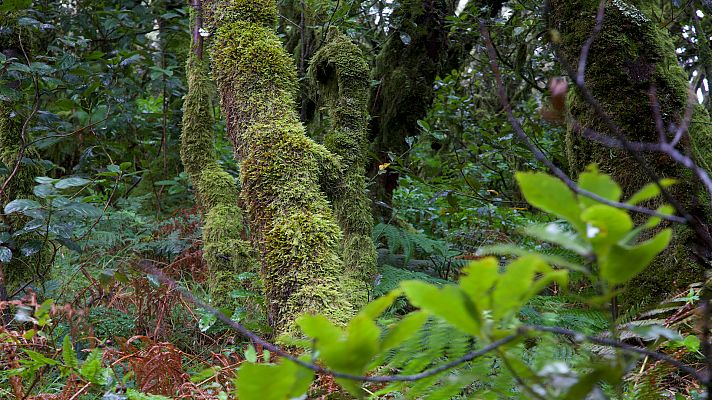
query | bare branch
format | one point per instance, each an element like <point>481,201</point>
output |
<point>539,155</point>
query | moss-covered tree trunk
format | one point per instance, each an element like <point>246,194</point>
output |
<point>631,55</point>
<point>225,252</point>
<point>414,54</point>
<point>341,76</point>
<point>291,221</point>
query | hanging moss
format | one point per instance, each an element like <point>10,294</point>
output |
<point>224,250</point>
<point>291,221</point>
<point>340,74</point>
<point>631,55</point>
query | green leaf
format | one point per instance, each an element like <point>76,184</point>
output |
<point>624,262</point>
<point>83,209</point>
<point>68,354</point>
<point>44,190</point>
<point>598,183</point>
<point>375,308</point>
<point>404,329</point>
<point>650,191</point>
<point>478,278</point>
<point>5,254</point>
<point>554,233</point>
<point>39,358</point>
<point>45,180</point>
<point>605,225</point>
<point>272,382</point>
<point>449,303</point>
<point>251,354</point>
<point>513,288</point>
<point>71,182</point>
<point>652,222</point>
<point>319,327</point>
<point>207,319</point>
<point>550,195</point>
<point>21,205</point>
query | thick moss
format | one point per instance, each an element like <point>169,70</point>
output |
<point>291,221</point>
<point>340,74</point>
<point>631,55</point>
<point>225,252</point>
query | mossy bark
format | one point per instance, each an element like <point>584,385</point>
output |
<point>224,250</point>
<point>281,171</point>
<point>412,57</point>
<point>341,76</point>
<point>631,55</point>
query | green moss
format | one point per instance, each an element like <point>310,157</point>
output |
<point>631,55</point>
<point>224,249</point>
<point>291,221</point>
<point>406,72</point>
<point>340,75</point>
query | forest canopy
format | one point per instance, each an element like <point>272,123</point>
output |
<point>335,199</point>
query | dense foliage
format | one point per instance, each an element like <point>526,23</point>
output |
<point>337,199</point>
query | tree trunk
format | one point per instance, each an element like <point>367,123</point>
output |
<point>291,221</point>
<point>340,73</point>
<point>225,252</point>
<point>631,55</point>
<point>412,57</point>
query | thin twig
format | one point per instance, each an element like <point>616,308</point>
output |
<point>540,156</point>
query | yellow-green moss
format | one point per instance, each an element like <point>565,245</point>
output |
<point>631,55</point>
<point>224,250</point>
<point>340,74</point>
<point>291,222</point>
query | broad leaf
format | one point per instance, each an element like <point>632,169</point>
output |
<point>272,382</point>
<point>71,182</point>
<point>404,329</point>
<point>448,302</point>
<point>598,183</point>
<point>551,195</point>
<point>21,205</point>
<point>5,254</point>
<point>650,191</point>
<point>623,262</point>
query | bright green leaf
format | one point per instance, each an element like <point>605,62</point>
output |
<point>551,195</point>
<point>448,303</point>
<point>624,262</point>
<point>404,329</point>
<point>272,382</point>
<point>598,183</point>
<point>68,353</point>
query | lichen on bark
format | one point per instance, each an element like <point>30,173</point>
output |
<point>340,75</point>
<point>631,55</point>
<point>291,221</point>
